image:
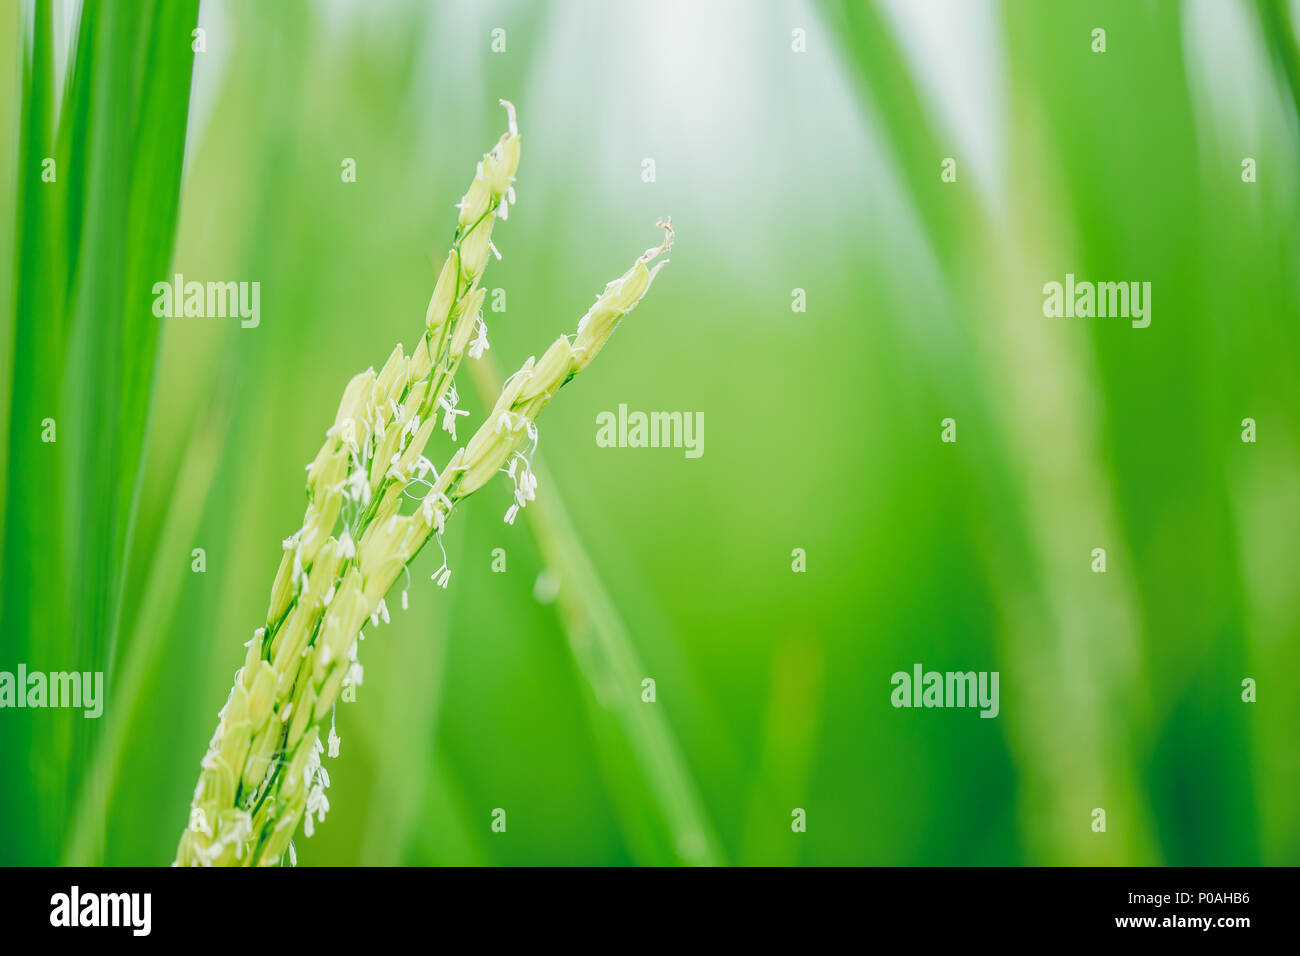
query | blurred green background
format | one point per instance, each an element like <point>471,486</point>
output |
<point>816,170</point>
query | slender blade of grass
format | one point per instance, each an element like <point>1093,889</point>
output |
<point>92,240</point>
<point>634,738</point>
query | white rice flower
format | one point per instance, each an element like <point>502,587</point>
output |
<point>358,486</point>
<point>448,402</point>
<point>480,343</point>
<point>333,740</point>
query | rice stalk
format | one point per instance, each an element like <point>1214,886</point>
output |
<point>263,773</point>
<point>606,656</point>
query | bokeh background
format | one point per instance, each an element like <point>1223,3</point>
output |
<point>783,170</point>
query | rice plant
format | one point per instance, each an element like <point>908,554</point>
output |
<point>374,502</point>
